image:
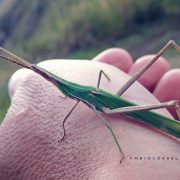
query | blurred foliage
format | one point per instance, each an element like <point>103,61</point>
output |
<point>82,24</point>
<point>57,28</point>
<point>172,7</point>
<point>4,100</point>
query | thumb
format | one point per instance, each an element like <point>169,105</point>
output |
<point>16,79</point>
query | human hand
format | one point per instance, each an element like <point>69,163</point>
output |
<point>29,135</point>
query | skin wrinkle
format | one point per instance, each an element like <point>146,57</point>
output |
<point>88,147</point>
<point>36,105</point>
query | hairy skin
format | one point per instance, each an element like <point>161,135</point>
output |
<point>29,147</point>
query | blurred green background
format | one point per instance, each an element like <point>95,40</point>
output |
<point>39,30</point>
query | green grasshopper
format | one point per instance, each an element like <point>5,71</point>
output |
<point>101,101</point>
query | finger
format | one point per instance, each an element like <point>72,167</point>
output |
<point>151,77</point>
<point>16,79</point>
<point>117,57</point>
<point>168,88</point>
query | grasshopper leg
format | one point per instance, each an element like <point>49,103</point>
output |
<point>65,119</point>
<point>134,109</point>
<point>177,107</point>
<point>101,72</point>
<point>112,133</point>
<point>171,43</point>
<point>137,108</point>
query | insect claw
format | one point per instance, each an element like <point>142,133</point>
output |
<point>62,138</point>
<point>122,158</point>
<point>173,43</point>
<point>64,134</point>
